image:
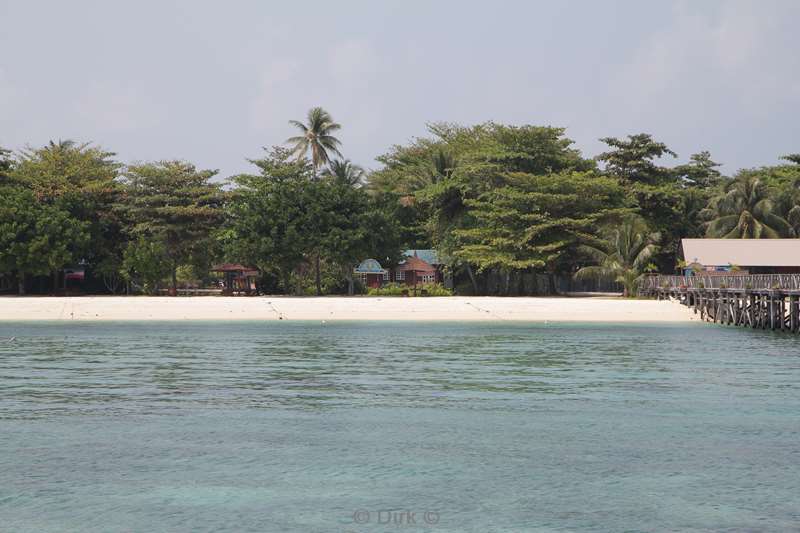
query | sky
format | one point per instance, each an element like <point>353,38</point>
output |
<point>213,82</point>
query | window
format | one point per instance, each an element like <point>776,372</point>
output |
<point>363,277</point>
<point>385,275</point>
<point>428,278</point>
<point>400,275</point>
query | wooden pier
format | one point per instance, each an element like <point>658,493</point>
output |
<point>763,301</point>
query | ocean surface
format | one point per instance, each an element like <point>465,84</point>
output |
<point>362,427</point>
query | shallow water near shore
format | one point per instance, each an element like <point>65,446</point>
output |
<point>376,426</point>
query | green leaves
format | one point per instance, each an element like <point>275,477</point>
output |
<point>146,261</point>
<point>538,221</point>
<point>623,255</point>
<point>316,137</point>
<point>175,204</point>
<point>632,160</point>
<point>746,210</point>
<point>282,219</point>
<point>36,238</point>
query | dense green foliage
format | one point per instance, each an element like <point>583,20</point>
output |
<point>36,238</point>
<point>499,203</point>
<point>282,219</point>
<point>173,204</point>
<point>623,255</point>
<point>398,289</point>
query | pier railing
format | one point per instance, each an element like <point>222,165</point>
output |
<point>764,301</point>
<point>785,282</point>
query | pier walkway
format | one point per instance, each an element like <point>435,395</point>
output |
<point>765,301</point>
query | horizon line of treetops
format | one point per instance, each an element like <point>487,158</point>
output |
<point>501,204</point>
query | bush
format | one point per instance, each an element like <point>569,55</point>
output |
<point>395,289</point>
<point>437,289</point>
<point>390,289</point>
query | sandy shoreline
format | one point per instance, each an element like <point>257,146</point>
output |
<point>342,308</point>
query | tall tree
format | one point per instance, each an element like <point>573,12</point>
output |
<point>176,204</point>
<point>633,160</point>
<point>67,168</point>
<point>280,218</point>
<point>745,210</point>
<point>437,177</point>
<point>701,171</point>
<point>316,137</point>
<point>82,179</point>
<point>353,228</point>
<point>268,216</point>
<point>792,158</point>
<point>537,222</point>
<point>623,255</point>
<point>36,238</point>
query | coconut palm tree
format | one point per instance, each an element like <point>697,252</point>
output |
<point>316,137</point>
<point>745,211</point>
<point>623,256</point>
<point>344,171</point>
<point>787,204</point>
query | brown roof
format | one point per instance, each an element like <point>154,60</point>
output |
<point>231,267</point>
<point>743,252</point>
<point>416,264</point>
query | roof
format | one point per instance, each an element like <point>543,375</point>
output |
<point>369,266</point>
<point>416,264</point>
<point>429,256</point>
<point>743,252</point>
<point>232,267</point>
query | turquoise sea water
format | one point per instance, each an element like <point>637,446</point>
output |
<point>344,427</point>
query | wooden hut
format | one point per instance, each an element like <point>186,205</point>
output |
<point>237,279</point>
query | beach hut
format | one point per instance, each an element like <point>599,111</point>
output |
<point>419,267</point>
<point>237,279</point>
<point>371,273</point>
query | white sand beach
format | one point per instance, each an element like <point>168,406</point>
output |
<point>594,309</point>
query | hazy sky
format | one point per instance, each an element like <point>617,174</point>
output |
<point>213,82</point>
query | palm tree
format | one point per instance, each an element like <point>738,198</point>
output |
<point>623,256</point>
<point>429,172</point>
<point>745,211</point>
<point>787,204</point>
<point>316,137</point>
<point>344,171</point>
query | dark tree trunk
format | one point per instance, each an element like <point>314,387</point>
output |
<point>472,280</point>
<point>21,284</point>
<point>285,276</point>
<point>507,283</point>
<point>55,281</point>
<point>552,287</point>
<point>317,276</point>
<point>174,288</point>
<point>350,290</point>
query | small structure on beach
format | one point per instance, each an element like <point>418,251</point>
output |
<point>742,256</point>
<point>419,267</point>
<point>415,270</point>
<point>371,273</point>
<point>237,279</point>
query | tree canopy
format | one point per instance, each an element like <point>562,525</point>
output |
<point>173,203</point>
<point>496,202</point>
